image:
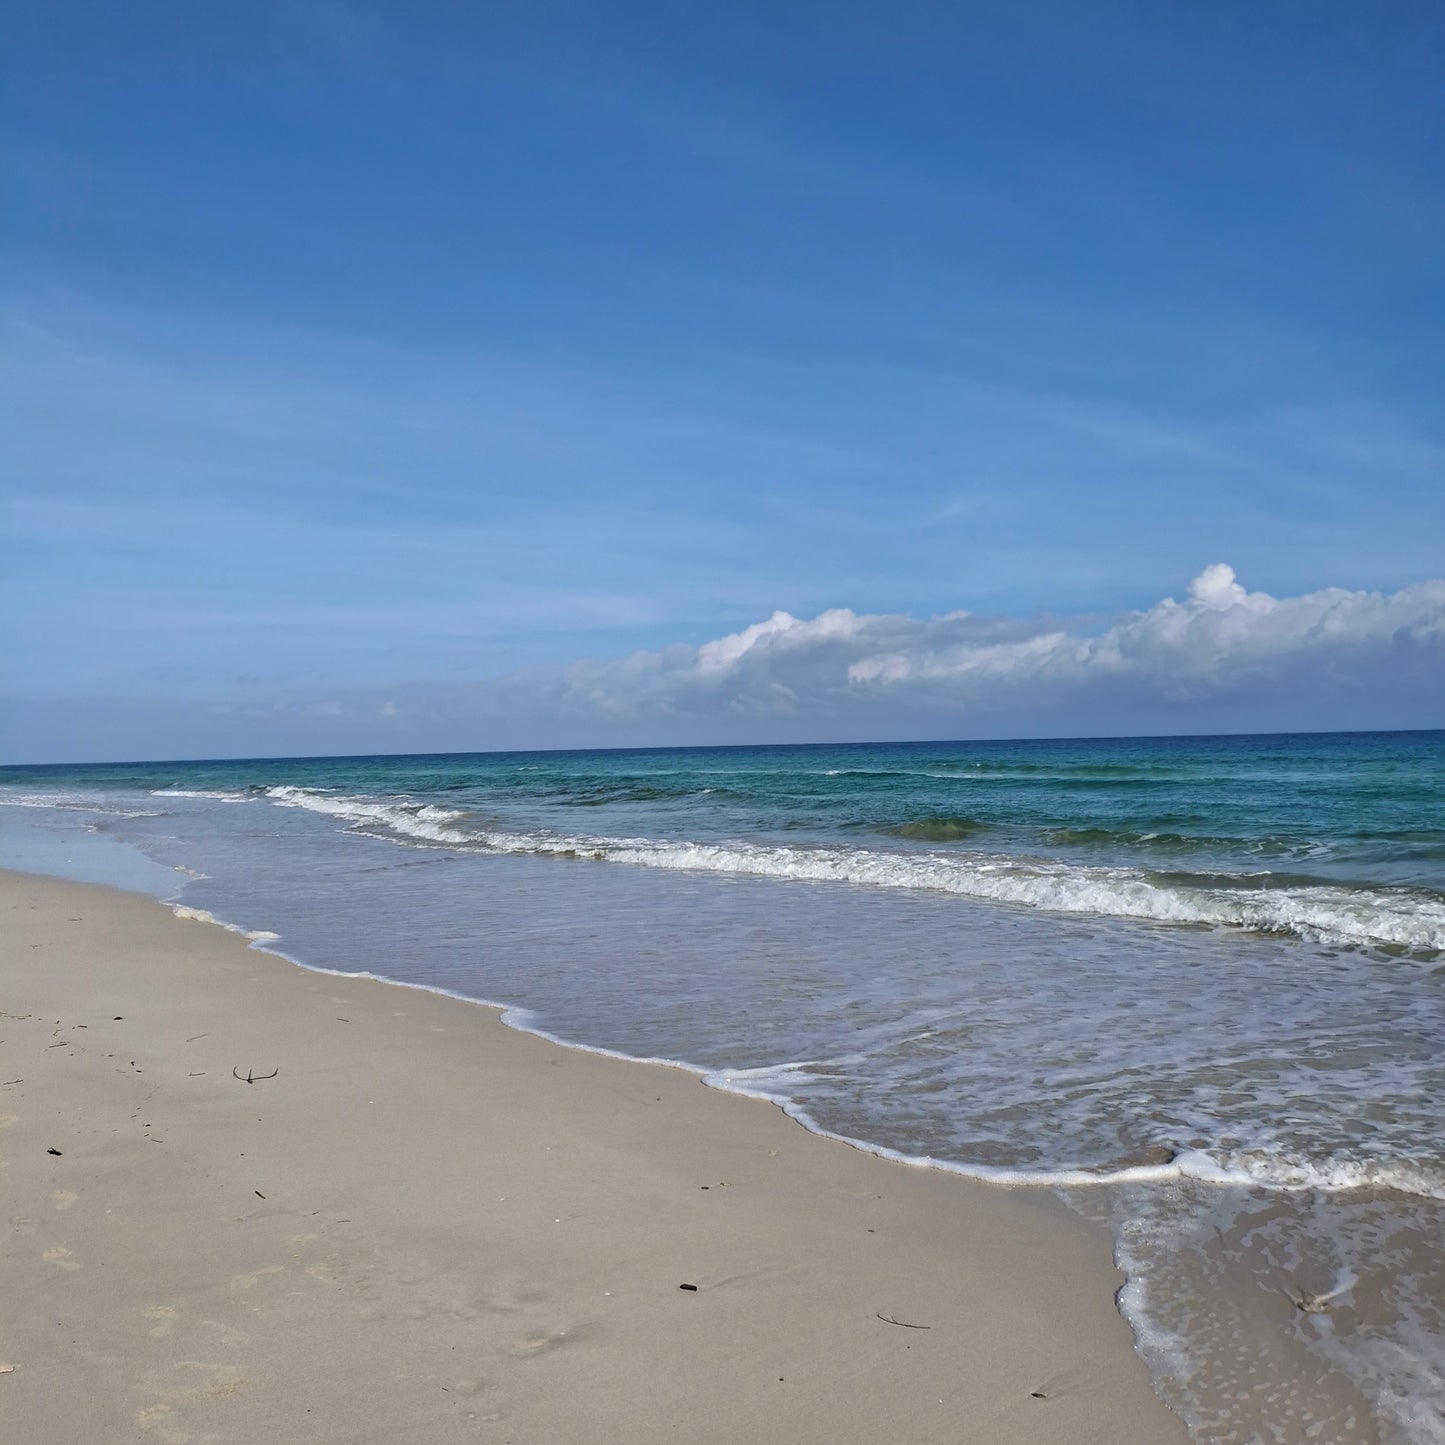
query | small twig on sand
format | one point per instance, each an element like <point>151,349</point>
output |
<point>1308,1303</point>
<point>253,1078</point>
<point>902,1324</point>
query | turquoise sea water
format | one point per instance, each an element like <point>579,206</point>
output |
<point>1194,983</point>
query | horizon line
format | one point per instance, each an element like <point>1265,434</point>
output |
<point>731,747</point>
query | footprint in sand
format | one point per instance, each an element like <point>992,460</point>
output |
<point>509,1298</point>
<point>545,1340</point>
<point>230,1337</point>
<point>160,1418</point>
<point>225,1380</point>
<point>61,1256</point>
<point>164,1317</point>
<point>156,1418</point>
<point>241,1282</point>
<point>64,1198</point>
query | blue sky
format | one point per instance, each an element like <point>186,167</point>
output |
<point>382,377</point>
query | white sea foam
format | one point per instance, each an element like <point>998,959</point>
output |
<point>70,803</point>
<point>1403,918</point>
<point>200,915</point>
<point>1335,1176</point>
<point>216,795</point>
<point>1246,1169</point>
<point>410,819</point>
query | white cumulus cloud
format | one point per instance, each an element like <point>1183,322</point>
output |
<point>1220,646</point>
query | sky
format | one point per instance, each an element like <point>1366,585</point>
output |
<point>384,378</point>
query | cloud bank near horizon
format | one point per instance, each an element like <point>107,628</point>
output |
<point>1221,644</point>
<point>1223,659</point>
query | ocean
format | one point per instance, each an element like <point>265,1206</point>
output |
<point>1196,985</point>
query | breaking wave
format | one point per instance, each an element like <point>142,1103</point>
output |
<point>1408,919</point>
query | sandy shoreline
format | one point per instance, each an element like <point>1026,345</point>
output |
<point>430,1227</point>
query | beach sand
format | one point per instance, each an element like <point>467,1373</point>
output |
<point>427,1226</point>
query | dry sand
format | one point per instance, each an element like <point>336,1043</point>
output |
<point>429,1227</point>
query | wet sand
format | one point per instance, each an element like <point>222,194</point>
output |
<point>427,1226</point>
